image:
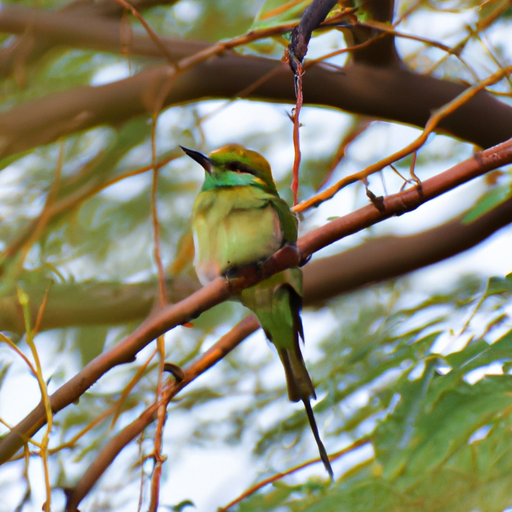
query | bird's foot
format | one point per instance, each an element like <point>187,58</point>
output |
<point>243,272</point>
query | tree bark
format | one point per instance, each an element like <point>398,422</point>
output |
<point>392,93</point>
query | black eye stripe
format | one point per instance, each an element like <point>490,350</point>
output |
<point>239,167</point>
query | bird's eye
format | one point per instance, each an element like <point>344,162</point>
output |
<point>239,168</point>
<point>233,166</point>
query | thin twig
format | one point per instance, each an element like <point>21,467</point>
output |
<point>23,300</point>
<point>149,30</point>
<point>431,125</point>
<point>296,135</point>
<point>219,290</point>
<point>279,476</point>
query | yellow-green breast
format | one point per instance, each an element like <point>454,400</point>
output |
<point>233,226</point>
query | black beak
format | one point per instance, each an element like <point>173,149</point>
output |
<point>200,158</point>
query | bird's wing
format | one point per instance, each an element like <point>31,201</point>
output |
<point>287,219</point>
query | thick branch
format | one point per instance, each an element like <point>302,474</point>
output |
<point>40,30</point>
<point>382,52</point>
<point>212,356</point>
<point>390,92</point>
<point>315,13</point>
<point>220,289</point>
<point>79,304</point>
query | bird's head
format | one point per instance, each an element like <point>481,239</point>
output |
<point>234,165</point>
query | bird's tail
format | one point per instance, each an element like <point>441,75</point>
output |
<point>316,434</point>
<point>298,381</point>
<point>300,387</point>
<point>277,304</point>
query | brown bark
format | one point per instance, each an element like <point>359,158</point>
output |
<point>391,93</point>
<point>221,289</point>
<point>76,304</point>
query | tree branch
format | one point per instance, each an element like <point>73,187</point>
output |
<point>221,289</point>
<point>376,260</point>
<point>388,257</point>
<point>382,51</point>
<point>40,31</point>
<point>391,92</point>
<point>315,13</point>
<point>110,451</point>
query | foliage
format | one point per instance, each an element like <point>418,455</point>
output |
<point>413,380</point>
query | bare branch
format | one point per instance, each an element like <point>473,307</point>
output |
<point>390,92</point>
<point>212,356</point>
<point>315,13</point>
<point>40,31</point>
<point>392,256</point>
<point>220,289</point>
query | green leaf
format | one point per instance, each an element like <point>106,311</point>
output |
<point>276,12</point>
<point>437,414</point>
<point>487,202</point>
<point>499,285</point>
<point>182,506</point>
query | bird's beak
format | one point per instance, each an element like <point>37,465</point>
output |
<point>200,158</point>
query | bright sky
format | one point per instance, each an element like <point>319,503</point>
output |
<point>225,472</point>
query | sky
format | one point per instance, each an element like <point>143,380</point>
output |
<point>223,472</point>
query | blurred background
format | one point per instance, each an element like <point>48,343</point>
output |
<point>413,372</point>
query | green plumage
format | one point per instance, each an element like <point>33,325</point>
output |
<point>239,219</point>
<point>277,302</point>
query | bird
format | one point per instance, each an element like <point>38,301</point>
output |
<point>239,219</point>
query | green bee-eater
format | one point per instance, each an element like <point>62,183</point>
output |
<point>239,219</point>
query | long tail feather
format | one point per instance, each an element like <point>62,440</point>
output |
<point>298,380</point>
<point>314,428</point>
<point>277,304</point>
